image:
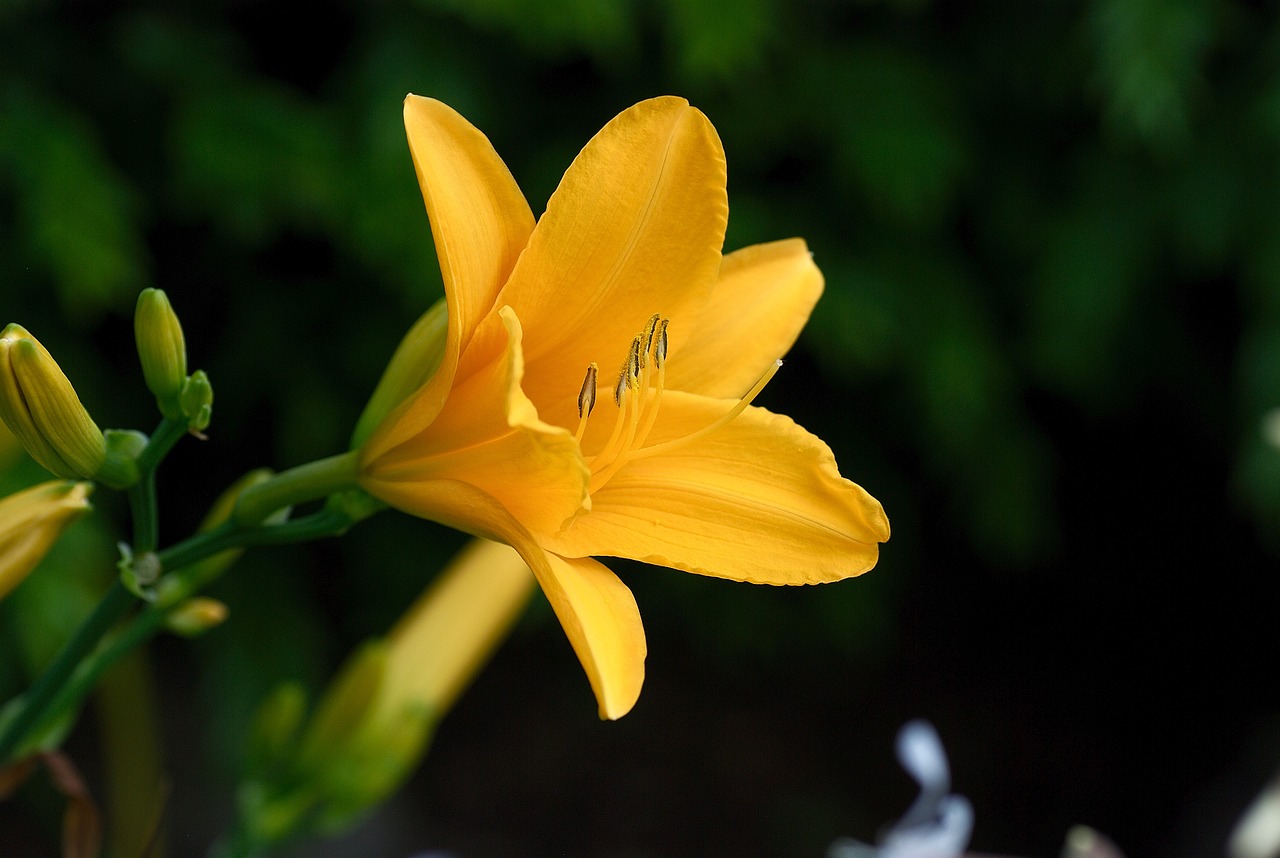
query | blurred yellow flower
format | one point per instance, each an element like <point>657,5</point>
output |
<point>670,465</point>
<point>373,722</point>
<point>31,521</point>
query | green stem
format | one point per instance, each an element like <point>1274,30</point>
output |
<point>52,684</point>
<point>308,482</point>
<point>142,495</point>
<point>113,606</point>
<point>185,579</point>
<point>326,522</point>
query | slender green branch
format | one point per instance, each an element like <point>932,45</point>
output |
<point>308,482</point>
<point>142,495</point>
<point>168,433</point>
<point>188,575</point>
<point>52,684</point>
<point>113,606</point>
<point>326,522</point>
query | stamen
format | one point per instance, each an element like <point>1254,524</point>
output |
<point>676,443</point>
<point>649,328</point>
<point>586,401</point>
<point>587,396</point>
<point>630,370</point>
<point>652,414</point>
<point>659,346</point>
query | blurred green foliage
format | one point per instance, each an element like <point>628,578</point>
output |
<point>1030,217</point>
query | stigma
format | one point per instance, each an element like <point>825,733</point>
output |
<point>637,393</point>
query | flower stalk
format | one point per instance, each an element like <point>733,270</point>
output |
<point>312,481</point>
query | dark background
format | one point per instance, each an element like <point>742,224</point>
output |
<point>1049,343</point>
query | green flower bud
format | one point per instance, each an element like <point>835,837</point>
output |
<point>162,350</point>
<point>416,359</point>
<point>41,408</point>
<point>196,401</point>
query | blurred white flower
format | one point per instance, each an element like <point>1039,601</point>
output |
<point>938,824</point>
<point>1271,426</point>
<point>1257,834</point>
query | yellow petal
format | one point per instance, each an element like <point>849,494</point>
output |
<point>480,222</point>
<point>758,500</point>
<point>598,612</point>
<point>634,229</point>
<point>762,299</point>
<point>31,521</point>
<point>600,616</point>
<point>488,435</point>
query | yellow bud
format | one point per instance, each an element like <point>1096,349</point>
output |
<point>41,408</point>
<point>31,521</point>
<point>435,649</point>
<point>416,359</point>
<point>373,723</point>
<point>343,708</point>
<point>450,632</point>
<point>196,616</point>
<point>161,349</point>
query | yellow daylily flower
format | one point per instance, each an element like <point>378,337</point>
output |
<point>509,438</point>
<point>31,521</point>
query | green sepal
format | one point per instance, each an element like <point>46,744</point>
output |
<point>120,468</point>
<point>196,400</point>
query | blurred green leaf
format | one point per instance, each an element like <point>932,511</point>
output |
<point>79,219</point>
<point>1149,57</point>
<point>720,39</point>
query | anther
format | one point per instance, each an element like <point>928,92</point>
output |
<point>620,387</point>
<point>630,371</point>
<point>660,353</point>
<point>635,359</point>
<point>587,396</point>
<point>649,329</point>
<point>586,401</point>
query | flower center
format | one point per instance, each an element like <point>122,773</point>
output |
<point>638,395</point>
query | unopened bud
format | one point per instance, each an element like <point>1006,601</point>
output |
<point>196,616</point>
<point>31,521</point>
<point>41,408</point>
<point>161,349</point>
<point>196,401</point>
<point>344,707</point>
<point>275,729</point>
